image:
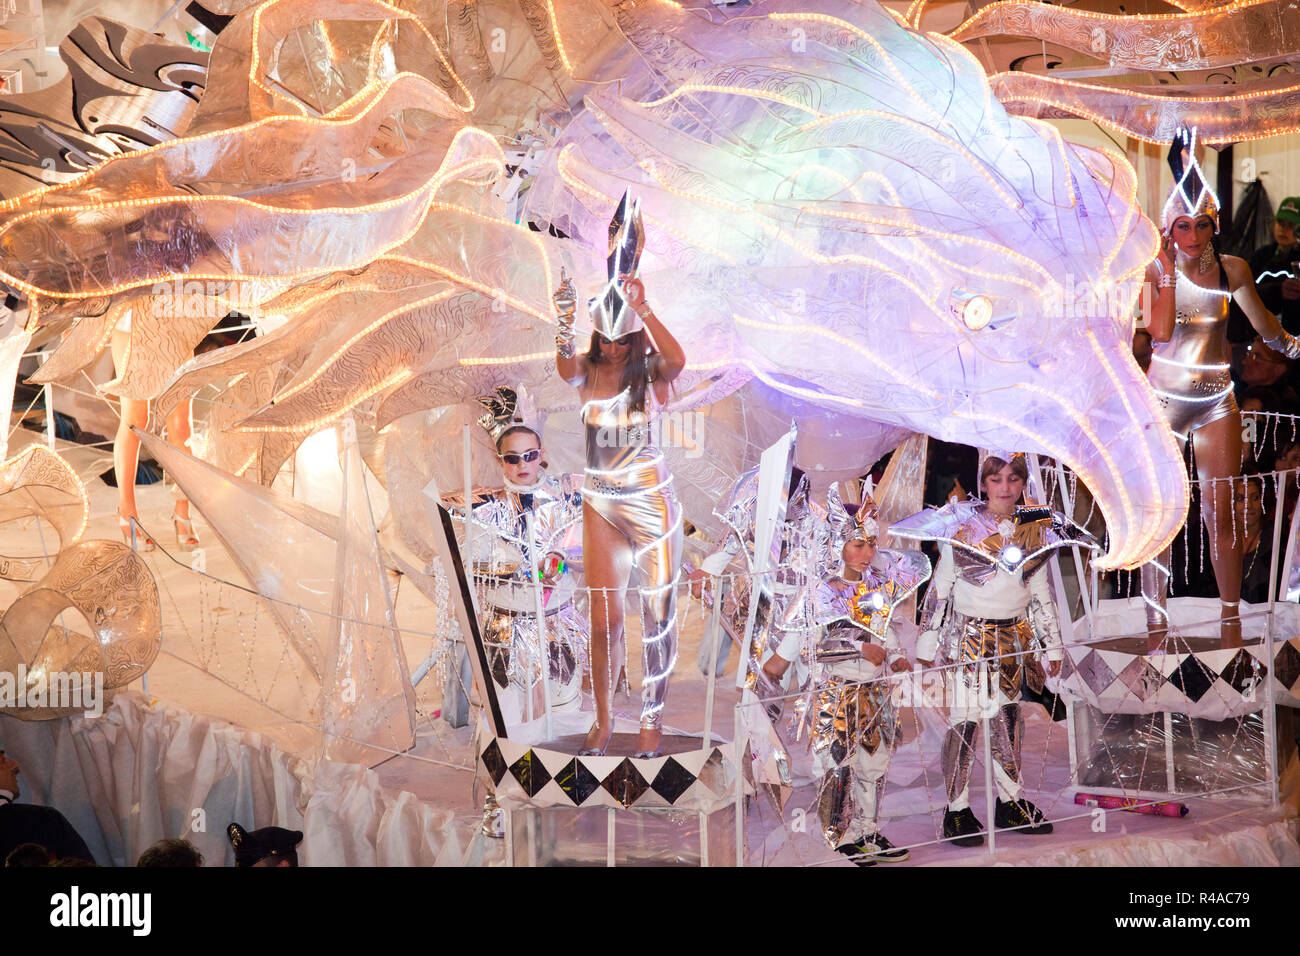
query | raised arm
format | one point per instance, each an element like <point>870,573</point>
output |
<point>1244,293</point>
<point>671,357</point>
<point>571,366</point>
<point>1158,296</point>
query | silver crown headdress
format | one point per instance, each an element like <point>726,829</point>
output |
<point>1190,195</point>
<point>863,521</point>
<point>611,314</point>
<point>500,416</point>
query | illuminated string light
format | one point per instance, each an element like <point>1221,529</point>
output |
<point>1069,13</point>
<point>507,359</point>
<point>730,91</point>
<point>1153,413</point>
<point>955,238</point>
<point>241,132</point>
<point>342,349</point>
<point>428,188</point>
<point>576,183</point>
<point>555,34</point>
<point>397,378</point>
<point>1014,88</point>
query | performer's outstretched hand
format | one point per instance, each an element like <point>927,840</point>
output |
<point>565,297</point>
<point>634,292</point>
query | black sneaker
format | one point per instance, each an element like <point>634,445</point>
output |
<point>878,848</point>
<point>961,827</point>
<point>1022,815</point>
<point>857,853</point>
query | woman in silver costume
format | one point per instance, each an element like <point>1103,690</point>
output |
<point>1185,302</point>
<point>506,554</point>
<point>855,724</point>
<point>989,618</point>
<point>631,517</point>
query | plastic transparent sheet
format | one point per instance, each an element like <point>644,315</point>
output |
<point>304,561</point>
<point>599,837</point>
<point>1129,752</point>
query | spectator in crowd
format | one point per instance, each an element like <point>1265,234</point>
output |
<point>1275,267</point>
<point>29,823</point>
<point>28,854</point>
<point>171,853</point>
<point>1258,366</point>
<point>269,846</point>
<point>1288,460</point>
<point>1256,538</point>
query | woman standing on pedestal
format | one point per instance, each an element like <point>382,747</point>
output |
<point>631,518</point>
<point>1188,286</point>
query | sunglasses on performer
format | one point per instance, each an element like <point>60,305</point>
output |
<point>510,458</point>
<point>621,340</point>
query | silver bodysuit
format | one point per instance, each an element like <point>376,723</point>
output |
<point>1190,372</point>
<point>627,483</point>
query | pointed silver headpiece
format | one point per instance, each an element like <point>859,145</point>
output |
<point>1191,194</point>
<point>611,314</point>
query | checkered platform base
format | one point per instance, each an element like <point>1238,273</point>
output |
<point>1214,684</point>
<point>701,780</point>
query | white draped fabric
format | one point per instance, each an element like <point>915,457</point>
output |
<point>140,773</point>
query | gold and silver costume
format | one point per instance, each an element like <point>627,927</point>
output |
<point>503,557</point>
<point>627,483</point>
<point>989,616</point>
<point>855,724</point>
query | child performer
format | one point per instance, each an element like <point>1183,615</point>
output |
<point>855,724</point>
<point>989,612</point>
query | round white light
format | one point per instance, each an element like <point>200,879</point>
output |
<point>877,601</point>
<point>977,312</point>
<point>1011,554</point>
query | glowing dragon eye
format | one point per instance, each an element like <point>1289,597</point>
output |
<point>974,310</point>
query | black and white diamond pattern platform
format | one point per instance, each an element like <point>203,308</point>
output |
<point>1195,677</point>
<point>698,779</point>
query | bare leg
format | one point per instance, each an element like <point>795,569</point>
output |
<point>608,561</point>
<point>126,447</point>
<point>1218,456</point>
<point>178,433</point>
